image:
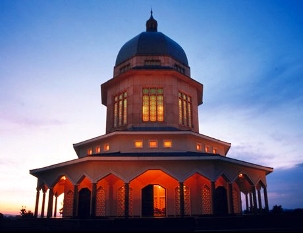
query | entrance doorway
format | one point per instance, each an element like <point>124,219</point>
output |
<point>153,201</point>
<point>221,205</point>
<point>84,203</point>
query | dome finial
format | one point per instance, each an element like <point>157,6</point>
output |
<point>151,24</point>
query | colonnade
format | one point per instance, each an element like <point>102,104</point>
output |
<point>253,201</point>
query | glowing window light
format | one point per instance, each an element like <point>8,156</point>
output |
<point>153,143</point>
<point>138,144</point>
<point>199,146</point>
<point>106,147</point>
<point>120,109</point>
<point>152,104</point>
<point>167,143</point>
<point>185,109</point>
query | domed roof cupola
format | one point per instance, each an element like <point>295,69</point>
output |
<point>151,24</point>
<point>151,43</point>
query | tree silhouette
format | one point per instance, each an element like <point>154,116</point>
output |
<point>277,209</point>
<point>25,214</point>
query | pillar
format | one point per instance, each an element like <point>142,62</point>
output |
<point>111,210</point>
<point>181,199</point>
<point>250,202</point>
<point>259,201</point>
<point>75,203</point>
<point>213,189</point>
<point>126,200</point>
<point>231,198</point>
<point>43,203</point>
<point>37,202</point>
<point>266,200</point>
<point>50,203</point>
<point>254,199</point>
<point>246,202</point>
<point>93,200</point>
<point>56,200</point>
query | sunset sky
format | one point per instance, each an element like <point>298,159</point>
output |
<point>55,54</point>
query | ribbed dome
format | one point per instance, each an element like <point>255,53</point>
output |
<point>151,43</point>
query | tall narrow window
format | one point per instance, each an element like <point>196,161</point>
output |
<point>120,109</point>
<point>185,110</point>
<point>152,100</point>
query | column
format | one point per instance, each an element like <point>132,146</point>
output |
<point>93,200</point>
<point>181,199</point>
<point>111,207</point>
<point>75,203</point>
<point>37,202</point>
<point>56,200</point>
<point>126,200</point>
<point>246,202</point>
<point>213,189</point>
<point>250,203</point>
<point>266,200</point>
<point>50,203</point>
<point>43,203</point>
<point>231,198</point>
<point>259,201</point>
<point>254,199</point>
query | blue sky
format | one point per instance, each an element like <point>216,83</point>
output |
<point>54,56</point>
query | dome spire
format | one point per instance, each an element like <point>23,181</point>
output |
<point>151,24</point>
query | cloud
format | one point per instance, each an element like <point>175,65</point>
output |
<point>11,122</point>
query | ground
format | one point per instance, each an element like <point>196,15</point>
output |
<point>244,223</point>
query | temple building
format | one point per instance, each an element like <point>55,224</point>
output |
<point>152,160</point>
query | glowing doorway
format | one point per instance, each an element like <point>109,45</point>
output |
<point>153,201</point>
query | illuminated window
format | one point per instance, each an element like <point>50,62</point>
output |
<point>185,110</point>
<point>167,143</point>
<point>152,109</point>
<point>120,109</point>
<point>214,150</point>
<point>98,149</point>
<point>199,146</point>
<point>106,147</point>
<point>207,149</point>
<point>138,143</point>
<point>90,151</point>
<point>153,143</point>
